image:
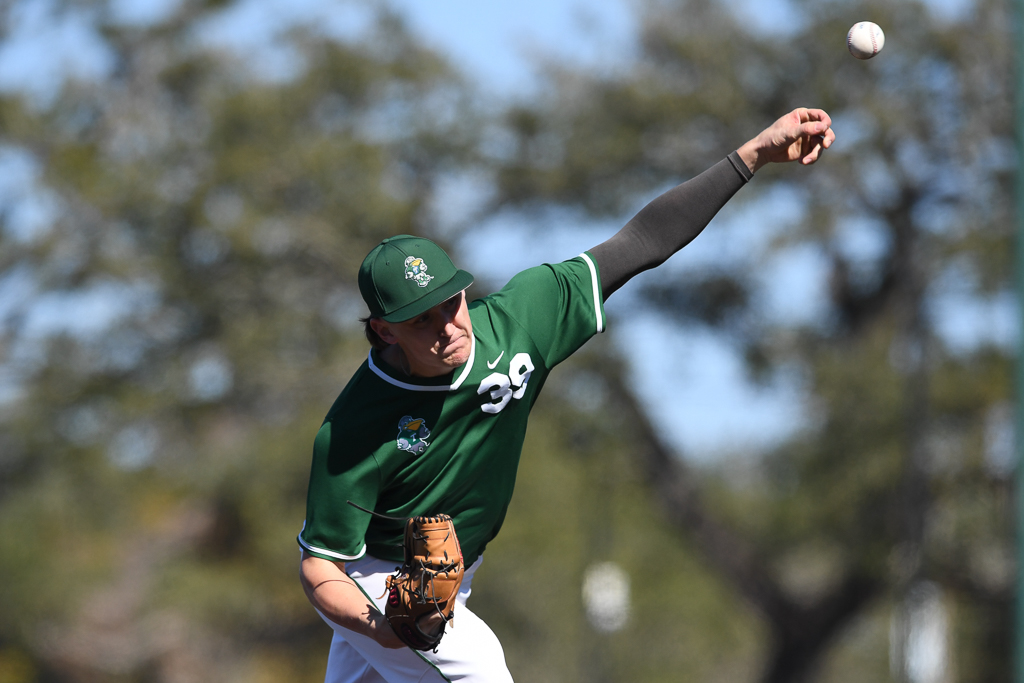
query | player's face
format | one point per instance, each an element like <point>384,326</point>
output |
<point>435,342</point>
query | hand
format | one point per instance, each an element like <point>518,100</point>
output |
<point>380,630</point>
<point>337,596</point>
<point>802,135</point>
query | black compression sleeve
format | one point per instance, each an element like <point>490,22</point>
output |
<point>668,223</point>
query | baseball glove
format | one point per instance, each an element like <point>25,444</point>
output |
<point>427,583</point>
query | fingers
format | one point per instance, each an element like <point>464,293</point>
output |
<point>818,145</point>
<point>813,156</point>
<point>809,115</point>
<point>814,122</point>
<point>813,128</point>
<point>801,135</point>
<point>816,127</point>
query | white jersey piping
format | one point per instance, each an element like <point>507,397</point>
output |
<point>418,387</point>
<point>330,553</point>
<point>597,291</point>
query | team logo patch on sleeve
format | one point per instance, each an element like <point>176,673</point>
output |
<point>416,269</point>
<point>412,435</point>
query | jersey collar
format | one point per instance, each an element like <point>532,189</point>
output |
<point>384,371</point>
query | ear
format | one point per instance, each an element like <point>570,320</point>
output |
<point>383,331</point>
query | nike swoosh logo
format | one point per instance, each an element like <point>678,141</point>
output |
<point>491,366</point>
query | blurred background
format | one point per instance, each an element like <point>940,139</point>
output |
<point>790,459</point>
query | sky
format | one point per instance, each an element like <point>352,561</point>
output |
<point>498,41</point>
<point>694,374</point>
<point>693,379</point>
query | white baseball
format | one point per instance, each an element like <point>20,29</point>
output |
<point>865,40</point>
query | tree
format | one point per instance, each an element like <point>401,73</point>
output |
<point>177,310</point>
<point>185,313</point>
<point>891,488</point>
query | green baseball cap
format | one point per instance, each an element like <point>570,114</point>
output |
<point>404,276</point>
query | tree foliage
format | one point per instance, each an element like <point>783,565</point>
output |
<point>178,310</point>
<point>178,328</point>
<point>878,498</point>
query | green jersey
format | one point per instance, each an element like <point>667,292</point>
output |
<point>406,446</point>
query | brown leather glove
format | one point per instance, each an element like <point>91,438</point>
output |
<point>427,583</point>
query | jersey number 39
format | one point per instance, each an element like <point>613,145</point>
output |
<point>504,388</point>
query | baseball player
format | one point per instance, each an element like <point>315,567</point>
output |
<point>434,419</point>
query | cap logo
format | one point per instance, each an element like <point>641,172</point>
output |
<point>416,269</point>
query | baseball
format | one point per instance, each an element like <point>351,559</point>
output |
<point>865,40</point>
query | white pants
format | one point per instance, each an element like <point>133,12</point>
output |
<point>469,651</point>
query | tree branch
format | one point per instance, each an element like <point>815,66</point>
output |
<point>801,632</point>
